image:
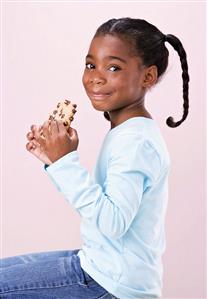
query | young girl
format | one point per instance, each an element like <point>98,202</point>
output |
<point>123,206</point>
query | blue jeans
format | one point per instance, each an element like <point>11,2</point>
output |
<point>48,275</point>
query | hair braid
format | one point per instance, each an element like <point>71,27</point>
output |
<point>106,115</point>
<point>177,45</point>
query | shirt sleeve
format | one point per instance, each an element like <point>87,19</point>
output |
<point>111,207</point>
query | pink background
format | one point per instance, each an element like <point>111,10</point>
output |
<point>44,48</point>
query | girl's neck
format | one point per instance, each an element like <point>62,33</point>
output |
<point>117,118</point>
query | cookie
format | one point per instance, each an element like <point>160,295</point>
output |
<point>64,111</point>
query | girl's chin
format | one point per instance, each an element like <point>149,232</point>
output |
<point>100,104</point>
<point>98,107</point>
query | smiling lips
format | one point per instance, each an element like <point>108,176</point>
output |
<point>99,95</point>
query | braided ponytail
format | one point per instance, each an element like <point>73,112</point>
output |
<point>177,45</point>
<point>106,115</point>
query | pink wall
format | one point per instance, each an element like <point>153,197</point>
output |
<point>44,48</point>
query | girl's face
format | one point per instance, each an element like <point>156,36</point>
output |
<point>112,77</point>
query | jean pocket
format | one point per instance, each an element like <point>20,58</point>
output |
<point>107,295</point>
<point>88,278</point>
<point>84,277</point>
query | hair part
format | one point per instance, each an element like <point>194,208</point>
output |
<point>148,43</point>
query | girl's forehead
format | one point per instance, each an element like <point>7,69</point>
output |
<point>110,45</point>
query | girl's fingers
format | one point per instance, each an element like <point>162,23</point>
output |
<point>37,135</point>
<point>30,136</point>
<point>61,126</point>
<point>54,127</point>
<point>33,128</point>
<point>45,129</point>
<point>30,146</point>
<point>73,133</point>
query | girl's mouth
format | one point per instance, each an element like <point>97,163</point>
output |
<point>99,96</point>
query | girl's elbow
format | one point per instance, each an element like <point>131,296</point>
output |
<point>113,229</point>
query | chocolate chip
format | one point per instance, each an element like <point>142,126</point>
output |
<point>71,118</point>
<point>67,102</point>
<point>74,105</point>
<point>55,111</point>
<point>58,105</point>
<point>63,115</point>
<point>65,123</point>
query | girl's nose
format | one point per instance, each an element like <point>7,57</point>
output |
<point>97,80</point>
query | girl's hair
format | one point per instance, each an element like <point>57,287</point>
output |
<point>148,43</point>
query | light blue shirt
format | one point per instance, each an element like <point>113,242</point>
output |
<point>122,208</point>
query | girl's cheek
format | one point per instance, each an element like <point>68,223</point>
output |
<point>84,79</point>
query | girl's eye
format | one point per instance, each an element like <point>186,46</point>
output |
<point>113,66</point>
<point>116,67</point>
<point>88,64</point>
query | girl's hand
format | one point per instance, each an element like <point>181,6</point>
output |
<point>58,141</point>
<point>34,147</point>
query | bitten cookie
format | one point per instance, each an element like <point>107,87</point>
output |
<point>64,111</point>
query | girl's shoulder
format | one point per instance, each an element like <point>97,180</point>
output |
<point>145,145</point>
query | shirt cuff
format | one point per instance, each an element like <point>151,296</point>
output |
<point>72,156</point>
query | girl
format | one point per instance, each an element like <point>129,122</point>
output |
<point>123,206</point>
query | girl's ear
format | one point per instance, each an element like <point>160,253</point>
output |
<point>149,76</point>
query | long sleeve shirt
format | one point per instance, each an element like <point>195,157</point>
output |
<point>122,206</point>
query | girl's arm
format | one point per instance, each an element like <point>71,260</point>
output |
<point>113,206</point>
